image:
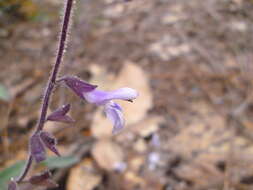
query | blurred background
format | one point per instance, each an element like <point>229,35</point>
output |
<point>191,128</point>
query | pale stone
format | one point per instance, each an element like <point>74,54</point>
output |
<point>108,154</point>
<point>82,177</point>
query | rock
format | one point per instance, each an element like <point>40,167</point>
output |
<point>173,16</point>
<point>202,172</point>
<point>167,48</point>
<point>136,163</point>
<point>101,77</point>
<point>101,126</point>
<point>140,146</point>
<point>147,126</point>
<point>114,11</point>
<point>108,155</point>
<point>169,19</point>
<point>133,178</point>
<point>239,26</point>
<point>83,177</point>
<point>207,142</point>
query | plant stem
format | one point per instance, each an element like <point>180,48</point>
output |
<point>62,44</point>
<point>51,81</point>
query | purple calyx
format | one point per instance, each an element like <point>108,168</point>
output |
<point>59,115</point>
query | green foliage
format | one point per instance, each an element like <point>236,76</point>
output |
<point>51,162</point>
<point>4,94</point>
<point>60,162</point>
<point>10,172</point>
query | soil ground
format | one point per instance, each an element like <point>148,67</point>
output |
<point>197,56</point>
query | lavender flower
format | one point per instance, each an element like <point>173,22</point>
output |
<point>100,97</point>
<point>112,110</point>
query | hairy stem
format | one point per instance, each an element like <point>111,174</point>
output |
<point>51,81</point>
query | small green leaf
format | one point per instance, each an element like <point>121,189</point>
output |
<point>7,173</point>
<point>60,162</point>
<point>4,94</point>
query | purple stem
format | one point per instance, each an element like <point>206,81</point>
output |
<point>51,81</point>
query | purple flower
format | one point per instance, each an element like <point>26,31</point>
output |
<point>103,98</point>
<point>112,110</point>
<point>100,97</point>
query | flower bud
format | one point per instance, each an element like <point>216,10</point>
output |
<point>60,115</point>
<point>49,141</point>
<point>37,148</point>
<point>13,185</point>
<point>78,86</point>
<point>43,179</point>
